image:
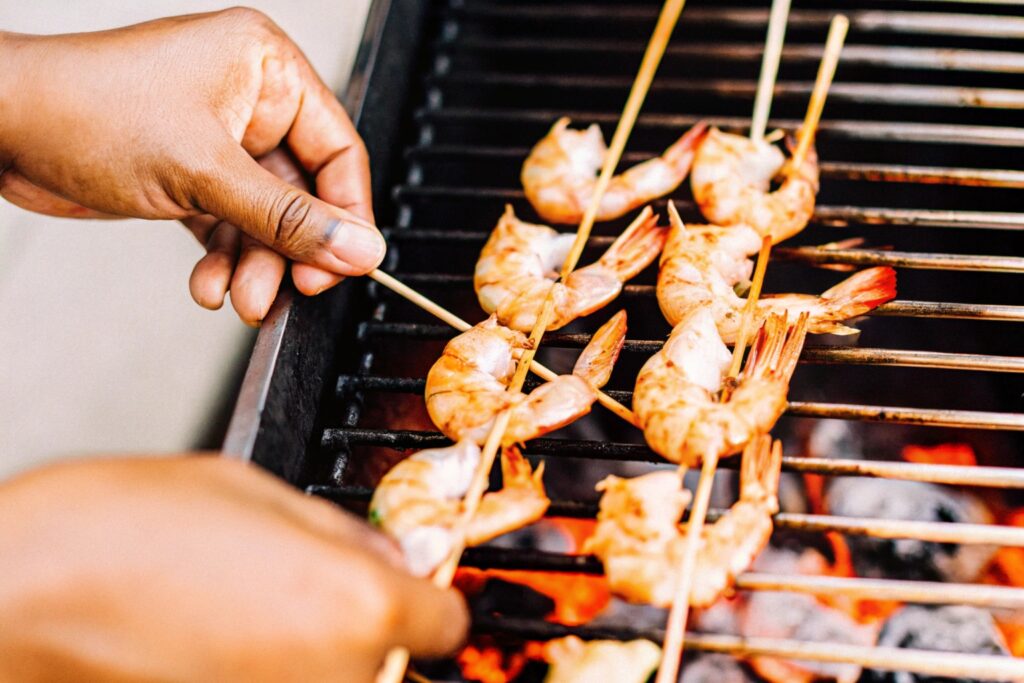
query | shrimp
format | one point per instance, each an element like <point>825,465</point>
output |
<point>676,401</point>
<point>597,661</point>
<point>466,387</point>
<point>419,502</point>
<point>520,262</point>
<point>701,265</point>
<point>731,183</point>
<point>560,174</point>
<point>641,543</point>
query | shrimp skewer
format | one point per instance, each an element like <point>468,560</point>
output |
<point>466,387</point>
<point>676,395</point>
<point>701,265</point>
<point>640,541</point>
<point>419,502</point>
<point>519,265</point>
<point>560,174</point>
<point>731,183</point>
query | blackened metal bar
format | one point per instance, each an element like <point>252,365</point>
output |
<point>919,592</point>
<point>862,21</point>
<point>945,664</point>
<point>887,173</point>
<point>960,475</point>
<point>889,94</point>
<point>930,417</point>
<point>902,309</point>
<point>875,131</point>
<point>936,532</point>
<point>815,255</point>
<point>925,58</point>
<point>832,216</point>
<point>811,354</point>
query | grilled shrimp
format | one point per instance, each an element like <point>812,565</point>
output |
<point>520,262</point>
<point>466,387</point>
<point>419,502</point>
<point>576,661</point>
<point>641,543</point>
<point>731,182</point>
<point>701,265</point>
<point>676,395</point>
<point>560,173</point>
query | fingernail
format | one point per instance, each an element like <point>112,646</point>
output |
<point>359,245</point>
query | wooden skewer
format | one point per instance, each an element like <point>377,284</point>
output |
<point>769,68</point>
<point>461,325</point>
<point>675,632</point>
<point>826,71</point>
<point>397,660</point>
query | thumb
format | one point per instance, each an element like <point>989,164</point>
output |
<point>286,218</point>
<point>431,621</point>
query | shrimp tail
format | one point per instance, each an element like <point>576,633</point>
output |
<point>856,295</point>
<point>598,358</point>
<point>680,154</point>
<point>776,349</point>
<point>760,470</point>
<point>516,471</point>
<point>636,247</point>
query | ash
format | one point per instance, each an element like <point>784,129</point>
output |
<point>954,628</point>
<point>907,558</point>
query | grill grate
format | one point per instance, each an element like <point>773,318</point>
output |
<point>920,157</point>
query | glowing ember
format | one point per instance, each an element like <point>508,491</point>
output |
<point>484,661</point>
<point>1007,569</point>
<point>943,454</point>
<point>578,598</point>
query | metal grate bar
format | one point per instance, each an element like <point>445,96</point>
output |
<point>832,216</point>
<point>884,173</point>
<point>954,665</point>
<point>887,131</point>
<point>992,477</point>
<point>861,21</point>
<point>811,354</point>
<point>936,532</point>
<point>814,255</point>
<point>903,309</point>
<point>891,94</point>
<point>885,56</point>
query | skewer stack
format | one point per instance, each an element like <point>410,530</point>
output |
<point>396,663</point>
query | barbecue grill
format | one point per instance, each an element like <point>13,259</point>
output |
<point>920,157</point>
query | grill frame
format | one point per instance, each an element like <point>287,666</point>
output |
<point>294,369</point>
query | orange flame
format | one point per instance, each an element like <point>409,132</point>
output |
<point>578,598</point>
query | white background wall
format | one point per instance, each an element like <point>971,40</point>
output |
<point>101,347</point>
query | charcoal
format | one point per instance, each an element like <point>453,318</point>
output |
<point>715,668</point>
<point>947,629</point>
<point>510,599</point>
<point>906,558</point>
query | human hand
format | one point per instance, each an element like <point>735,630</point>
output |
<point>200,569</point>
<point>166,120</point>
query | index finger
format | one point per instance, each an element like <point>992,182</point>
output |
<point>325,142</point>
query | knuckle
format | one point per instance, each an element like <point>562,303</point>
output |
<point>246,16</point>
<point>291,222</point>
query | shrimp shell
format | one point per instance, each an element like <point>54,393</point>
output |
<point>731,183</point>
<point>560,174</point>
<point>466,387</point>
<point>676,394</point>
<point>701,265</point>
<point>641,543</point>
<point>419,502</point>
<point>519,264</point>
